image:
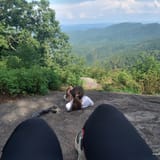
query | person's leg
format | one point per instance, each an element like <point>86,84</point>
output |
<point>33,139</point>
<point>109,135</point>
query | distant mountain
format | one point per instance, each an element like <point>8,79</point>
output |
<point>83,27</point>
<point>98,43</point>
<point>132,32</point>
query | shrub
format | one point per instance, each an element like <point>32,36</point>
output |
<point>8,82</point>
<point>120,81</point>
<point>151,83</point>
<point>70,78</point>
<point>123,78</point>
<point>53,78</point>
<point>36,80</point>
<point>3,64</point>
<point>13,62</point>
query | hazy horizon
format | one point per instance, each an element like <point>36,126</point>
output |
<point>107,23</point>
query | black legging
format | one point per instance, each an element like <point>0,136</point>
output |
<point>33,139</point>
<point>108,135</point>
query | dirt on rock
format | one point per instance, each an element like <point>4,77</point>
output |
<point>142,111</point>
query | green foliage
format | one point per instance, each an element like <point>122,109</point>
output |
<point>124,78</point>
<point>30,31</point>
<point>71,78</point>
<point>128,83</point>
<point>8,82</point>
<point>36,80</point>
<point>96,71</point>
<point>53,79</point>
<point>13,62</point>
<point>32,81</point>
<point>28,50</point>
<point>147,72</point>
<point>35,54</point>
<point>72,72</point>
<point>3,64</point>
<point>97,44</point>
<point>3,40</point>
<point>143,76</point>
<point>118,80</point>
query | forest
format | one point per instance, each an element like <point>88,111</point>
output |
<point>122,57</point>
<point>36,55</point>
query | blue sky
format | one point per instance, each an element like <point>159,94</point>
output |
<point>106,11</point>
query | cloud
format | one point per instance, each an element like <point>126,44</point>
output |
<point>144,0</point>
<point>106,10</point>
<point>67,1</point>
<point>157,3</point>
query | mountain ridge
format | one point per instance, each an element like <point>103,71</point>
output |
<point>115,39</point>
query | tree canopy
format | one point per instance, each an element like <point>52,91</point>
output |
<point>35,55</point>
<point>33,26</point>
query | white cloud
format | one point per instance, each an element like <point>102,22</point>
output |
<point>157,3</point>
<point>106,10</point>
<point>83,15</point>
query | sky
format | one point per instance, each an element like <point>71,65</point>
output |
<point>106,11</point>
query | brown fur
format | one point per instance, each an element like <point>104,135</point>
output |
<point>77,94</point>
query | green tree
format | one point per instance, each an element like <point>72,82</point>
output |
<point>3,40</point>
<point>147,72</point>
<point>36,19</point>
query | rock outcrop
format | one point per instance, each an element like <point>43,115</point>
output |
<point>142,111</point>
